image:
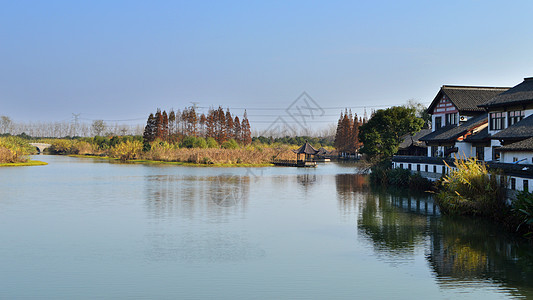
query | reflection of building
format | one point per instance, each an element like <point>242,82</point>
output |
<point>469,250</point>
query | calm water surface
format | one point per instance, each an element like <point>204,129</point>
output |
<point>87,229</point>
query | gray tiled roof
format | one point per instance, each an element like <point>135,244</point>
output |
<point>409,140</point>
<point>467,98</point>
<point>525,145</point>
<point>480,136</point>
<point>451,132</point>
<point>520,130</point>
<point>306,149</point>
<point>519,94</point>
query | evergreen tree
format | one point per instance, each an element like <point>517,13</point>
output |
<point>165,127</point>
<point>245,130</point>
<point>237,130</point>
<point>229,125</point>
<point>158,124</point>
<point>171,123</point>
<point>149,131</point>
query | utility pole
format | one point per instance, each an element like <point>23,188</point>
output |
<point>74,130</point>
<point>195,104</point>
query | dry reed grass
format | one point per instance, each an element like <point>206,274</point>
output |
<point>248,155</point>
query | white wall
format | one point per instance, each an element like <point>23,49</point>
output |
<point>507,157</point>
<point>464,149</point>
<point>435,176</point>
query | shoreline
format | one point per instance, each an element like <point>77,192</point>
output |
<point>25,164</point>
<point>176,163</point>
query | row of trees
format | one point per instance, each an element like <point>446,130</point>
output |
<point>66,129</point>
<point>381,135</point>
<point>347,136</point>
<point>217,124</point>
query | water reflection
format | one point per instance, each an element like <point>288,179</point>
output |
<point>210,247</point>
<point>463,249</point>
<point>461,252</point>
<point>393,231</point>
<point>196,196</point>
<point>201,201</point>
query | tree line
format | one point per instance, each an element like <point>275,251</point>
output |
<point>66,129</point>
<point>347,135</point>
<point>177,125</point>
<point>382,133</point>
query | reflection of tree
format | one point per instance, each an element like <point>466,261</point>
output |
<point>191,196</point>
<point>461,251</point>
<point>391,229</point>
<point>468,249</point>
<point>349,187</point>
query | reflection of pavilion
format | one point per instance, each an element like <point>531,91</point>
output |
<point>306,179</point>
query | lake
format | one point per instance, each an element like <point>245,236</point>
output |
<point>82,228</point>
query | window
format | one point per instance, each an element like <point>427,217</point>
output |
<point>435,149</point>
<point>427,168</point>
<point>401,166</point>
<point>418,168</point>
<point>438,122</point>
<point>513,183</point>
<point>497,120</point>
<point>480,153</point>
<point>526,186</point>
<point>434,169</point>
<point>409,166</point>
<point>515,116</point>
<point>495,153</point>
<point>451,119</point>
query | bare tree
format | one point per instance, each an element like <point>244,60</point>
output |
<point>98,127</point>
<point>6,124</point>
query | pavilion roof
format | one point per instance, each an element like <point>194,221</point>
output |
<point>306,149</point>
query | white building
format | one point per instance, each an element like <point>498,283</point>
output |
<point>490,123</point>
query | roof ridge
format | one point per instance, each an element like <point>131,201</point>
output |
<point>475,87</point>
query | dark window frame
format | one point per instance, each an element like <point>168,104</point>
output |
<point>497,120</point>
<point>515,116</point>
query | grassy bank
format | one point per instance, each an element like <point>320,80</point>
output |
<point>190,151</point>
<point>175,163</point>
<point>23,164</point>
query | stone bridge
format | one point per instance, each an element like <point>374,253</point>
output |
<point>40,146</point>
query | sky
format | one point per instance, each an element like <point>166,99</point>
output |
<point>121,60</point>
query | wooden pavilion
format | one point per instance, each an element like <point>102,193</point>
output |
<point>308,153</point>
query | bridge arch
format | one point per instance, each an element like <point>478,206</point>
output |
<point>40,146</point>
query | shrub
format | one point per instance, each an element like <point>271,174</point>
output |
<point>14,149</point>
<point>62,146</point>
<point>471,189</point>
<point>230,144</point>
<point>211,143</point>
<point>127,150</point>
<point>188,142</point>
<point>523,208</point>
<point>200,143</point>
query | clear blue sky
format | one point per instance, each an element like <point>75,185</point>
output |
<point>123,59</point>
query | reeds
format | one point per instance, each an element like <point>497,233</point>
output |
<point>14,149</point>
<point>471,189</point>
